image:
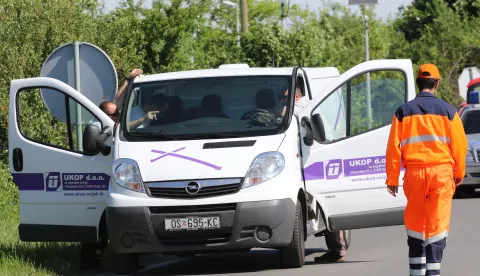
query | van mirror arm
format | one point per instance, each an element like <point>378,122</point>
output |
<point>308,138</point>
<point>318,129</point>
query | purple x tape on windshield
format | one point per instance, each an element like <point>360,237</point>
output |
<point>174,154</point>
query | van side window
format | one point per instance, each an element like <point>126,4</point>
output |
<point>344,112</point>
<point>334,114</point>
<point>387,93</point>
<point>56,126</point>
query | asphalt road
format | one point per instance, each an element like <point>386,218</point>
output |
<point>375,251</point>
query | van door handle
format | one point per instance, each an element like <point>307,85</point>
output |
<point>17,160</point>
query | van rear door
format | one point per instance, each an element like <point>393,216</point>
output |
<point>62,190</point>
<point>345,169</point>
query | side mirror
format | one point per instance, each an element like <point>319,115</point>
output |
<point>308,139</point>
<point>94,140</point>
<point>318,128</point>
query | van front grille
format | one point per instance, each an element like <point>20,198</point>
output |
<point>193,189</point>
<point>194,209</point>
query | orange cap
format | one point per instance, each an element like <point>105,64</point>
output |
<point>428,71</point>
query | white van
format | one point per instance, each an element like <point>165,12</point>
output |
<point>221,169</point>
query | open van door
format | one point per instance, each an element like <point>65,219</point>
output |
<point>62,183</point>
<point>344,144</point>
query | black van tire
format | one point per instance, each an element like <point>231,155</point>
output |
<point>463,192</point>
<point>293,255</point>
<point>126,264</point>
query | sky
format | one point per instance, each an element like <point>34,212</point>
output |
<point>384,8</point>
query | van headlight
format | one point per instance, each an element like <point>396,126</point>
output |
<point>264,167</point>
<point>127,174</point>
<point>470,157</point>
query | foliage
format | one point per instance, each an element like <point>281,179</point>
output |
<point>450,40</point>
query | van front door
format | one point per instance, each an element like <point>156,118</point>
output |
<point>62,190</point>
<point>344,165</point>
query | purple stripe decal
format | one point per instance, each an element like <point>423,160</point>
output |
<point>338,168</point>
<point>57,182</point>
<point>174,154</point>
<point>364,166</point>
<point>29,181</point>
<point>314,171</point>
<point>85,181</point>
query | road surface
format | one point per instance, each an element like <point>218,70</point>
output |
<point>376,251</point>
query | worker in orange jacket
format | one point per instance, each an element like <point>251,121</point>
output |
<point>426,138</point>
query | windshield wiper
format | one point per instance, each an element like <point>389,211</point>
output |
<point>159,134</point>
<point>215,135</point>
<point>151,133</point>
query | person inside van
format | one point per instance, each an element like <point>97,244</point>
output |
<point>300,101</point>
<point>120,95</point>
<point>110,108</point>
<point>157,107</point>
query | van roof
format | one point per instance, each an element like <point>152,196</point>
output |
<point>321,72</point>
<point>226,71</point>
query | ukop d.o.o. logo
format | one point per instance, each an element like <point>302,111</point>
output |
<point>53,182</point>
<point>334,169</point>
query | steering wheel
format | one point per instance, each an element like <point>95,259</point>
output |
<point>249,113</point>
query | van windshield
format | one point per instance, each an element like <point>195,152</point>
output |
<point>202,108</point>
<point>470,123</point>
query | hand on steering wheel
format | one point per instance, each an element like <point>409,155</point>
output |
<point>249,113</point>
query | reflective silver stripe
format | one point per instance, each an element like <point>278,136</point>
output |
<point>425,138</point>
<point>419,260</point>
<point>435,238</point>
<point>434,266</point>
<point>416,235</point>
<point>417,272</point>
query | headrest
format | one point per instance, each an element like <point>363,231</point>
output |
<point>266,99</point>
<point>212,104</point>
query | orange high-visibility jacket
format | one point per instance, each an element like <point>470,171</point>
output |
<point>425,131</point>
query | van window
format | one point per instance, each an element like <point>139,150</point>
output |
<point>213,107</point>
<point>59,128</point>
<point>470,123</point>
<point>344,112</point>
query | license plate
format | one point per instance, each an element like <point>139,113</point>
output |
<point>192,223</point>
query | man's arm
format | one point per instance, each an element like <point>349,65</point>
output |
<point>136,123</point>
<point>151,115</point>
<point>459,146</point>
<point>393,154</point>
<point>120,96</point>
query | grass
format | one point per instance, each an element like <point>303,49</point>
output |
<point>22,258</point>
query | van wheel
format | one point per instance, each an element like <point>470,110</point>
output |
<point>126,264</point>
<point>463,192</point>
<point>293,255</point>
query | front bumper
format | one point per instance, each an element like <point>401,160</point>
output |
<point>267,224</point>
<point>472,175</point>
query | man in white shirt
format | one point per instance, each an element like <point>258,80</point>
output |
<point>157,108</point>
<point>109,108</point>
<point>300,101</point>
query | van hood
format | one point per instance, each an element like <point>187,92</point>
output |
<point>197,159</point>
